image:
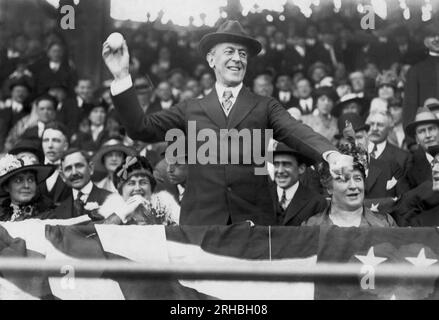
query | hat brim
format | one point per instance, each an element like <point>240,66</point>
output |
<point>410,129</point>
<point>336,111</point>
<point>38,152</point>
<point>42,173</point>
<point>98,158</point>
<point>212,39</point>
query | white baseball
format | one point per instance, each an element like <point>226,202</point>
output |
<point>115,41</point>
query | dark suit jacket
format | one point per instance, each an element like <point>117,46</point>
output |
<point>59,192</point>
<point>217,193</point>
<point>419,169</point>
<point>84,141</point>
<point>304,204</point>
<point>418,207</point>
<point>66,209</point>
<point>70,114</point>
<point>380,172</point>
<point>44,76</point>
<point>156,106</point>
<point>422,83</point>
<point>392,153</point>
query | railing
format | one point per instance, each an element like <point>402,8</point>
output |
<point>26,267</point>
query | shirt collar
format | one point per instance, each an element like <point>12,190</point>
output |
<point>434,54</point>
<point>180,188</point>
<point>220,90</point>
<point>380,147</point>
<point>86,190</point>
<point>430,158</point>
<point>80,101</point>
<point>290,192</point>
<point>47,161</point>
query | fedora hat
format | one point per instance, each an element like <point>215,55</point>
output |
<point>10,165</point>
<point>282,148</point>
<point>423,116</point>
<point>229,31</point>
<point>113,143</point>
<point>357,122</point>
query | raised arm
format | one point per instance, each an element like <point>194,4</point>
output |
<point>148,128</point>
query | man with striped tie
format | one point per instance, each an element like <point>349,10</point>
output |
<point>217,192</point>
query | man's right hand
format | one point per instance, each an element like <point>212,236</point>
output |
<point>118,62</point>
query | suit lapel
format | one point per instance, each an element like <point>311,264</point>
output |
<point>58,188</point>
<point>212,107</point>
<point>245,102</point>
<point>296,204</point>
<point>372,177</point>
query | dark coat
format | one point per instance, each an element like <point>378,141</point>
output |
<point>418,207</point>
<point>84,141</point>
<point>422,83</point>
<point>304,204</point>
<point>392,153</point>
<point>71,114</point>
<point>8,118</point>
<point>43,209</point>
<point>218,193</point>
<point>156,106</point>
<point>419,169</point>
<point>59,192</point>
<point>66,209</point>
<point>380,174</point>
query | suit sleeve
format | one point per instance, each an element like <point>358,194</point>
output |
<point>296,134</point>
<point>148,128</point>
<point>411,97</point>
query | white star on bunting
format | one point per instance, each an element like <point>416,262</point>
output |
<point>370,259</point>
<point>421,260</point>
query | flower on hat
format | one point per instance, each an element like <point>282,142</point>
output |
<point>9,163</point>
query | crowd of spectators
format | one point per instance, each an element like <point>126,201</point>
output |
<point>325,74</point>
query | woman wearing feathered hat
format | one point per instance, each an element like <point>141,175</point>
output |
<point>19,178</point>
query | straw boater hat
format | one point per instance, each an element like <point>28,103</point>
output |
<point>423,116</point>
<point>282,148</point>
<point>10,165</point>
<point>229,31</point>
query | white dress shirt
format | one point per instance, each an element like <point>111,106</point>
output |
<point>50,182</point>
<point>86,190</point>
<point>430,158</point>
<point>380,148</point>
<point>289,193</point>
<point>220,91</point>
<point>181,190</point>
<point>306,104</point>
<point>41,127</point>
<point>400,134</point>
<point>81,101</point>
<point>54,66</point>
<point>284,96</point>
<point>166,104</point>
<point>95,131</point>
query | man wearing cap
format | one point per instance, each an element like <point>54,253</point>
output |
<point>294,202</point>
<point>420,206</point>
<point>220,193</point>
<point>425,130</point>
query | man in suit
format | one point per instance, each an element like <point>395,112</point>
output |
<point>163,100</point>
<point>284,94</point>
<point>218,193</point>
<point>420,206</point>
<point>423,78</point>
<point>72,110</point>
<point>305,100</point>
<point>383,179</point>
<point>174,179</point>
<point>380,125</point>
<point>54,144</point>
<point>77,170</point>
<point>425,130</point>
<point>294,202</point>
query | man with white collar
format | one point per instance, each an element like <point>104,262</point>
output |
<point>305,99</point>
<point>425,130</point>
<point>54,144</point>
<point>294,202</point>
<point>423,77</point>
<point>380,125</point>
<point>76,171</point>
<point>217,192</point>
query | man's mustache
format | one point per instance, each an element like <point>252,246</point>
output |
<point>76,177</point>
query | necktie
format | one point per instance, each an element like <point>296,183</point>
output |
<point>226,101</point>
<point>374,151</point>
<point>283,200</point>
<point>78,205</point>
